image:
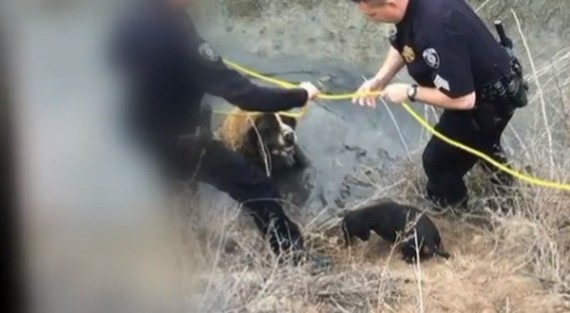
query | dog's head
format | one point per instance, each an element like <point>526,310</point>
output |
<point>276,132</point>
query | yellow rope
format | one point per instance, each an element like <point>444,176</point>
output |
<point>424,123</point>
<point>287,85</point>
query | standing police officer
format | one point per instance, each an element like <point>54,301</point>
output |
<point>169,69</point>
<point>458,66</point>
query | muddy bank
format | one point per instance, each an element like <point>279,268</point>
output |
<point>336,29</point>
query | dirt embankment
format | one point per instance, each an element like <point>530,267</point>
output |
<point>335,29</point>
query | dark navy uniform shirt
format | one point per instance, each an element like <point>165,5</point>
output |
<point>446,45</point>
<point>170,68</point>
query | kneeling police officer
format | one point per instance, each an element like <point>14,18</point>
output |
<point>458,66</point>
<point>170,68</point>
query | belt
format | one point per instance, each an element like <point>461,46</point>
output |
<point>508,93</point>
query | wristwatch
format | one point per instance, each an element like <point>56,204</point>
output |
<point>412,91</point>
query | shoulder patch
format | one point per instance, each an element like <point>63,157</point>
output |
<point>207,52</point>
<point>431,58</point>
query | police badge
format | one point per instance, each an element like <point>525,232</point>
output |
<point>431,58</point>
<point>408,54</point>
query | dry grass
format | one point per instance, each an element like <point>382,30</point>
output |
<point>502,262</point>
<point>511,260</point>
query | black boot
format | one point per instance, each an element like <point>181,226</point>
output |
<point>442,200</point>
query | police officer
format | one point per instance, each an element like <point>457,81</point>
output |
<point>457,66</point>
<point>169,68</point>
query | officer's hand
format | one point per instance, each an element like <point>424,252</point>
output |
<point>369,86</point>
<point>311,89</point>
<point>397,93</point>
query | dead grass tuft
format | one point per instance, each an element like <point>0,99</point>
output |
<point>507,256</point>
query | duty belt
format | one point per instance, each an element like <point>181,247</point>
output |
<point>508,91</point>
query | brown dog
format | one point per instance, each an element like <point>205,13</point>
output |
<point>267,140</point>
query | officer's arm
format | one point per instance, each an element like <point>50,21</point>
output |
<point>392,65</point>
<point>216,78</point>
<point>453,77</point>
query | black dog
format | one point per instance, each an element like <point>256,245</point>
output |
<point>272,144</point>
<point>389,219</point>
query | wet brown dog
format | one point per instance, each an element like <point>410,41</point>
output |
<point>268,140</point>
<point>393,221</point>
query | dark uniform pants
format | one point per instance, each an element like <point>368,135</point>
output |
<point>229,172</point>
<point>445,165</point>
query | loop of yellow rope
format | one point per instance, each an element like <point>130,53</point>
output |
<point>424,123</point>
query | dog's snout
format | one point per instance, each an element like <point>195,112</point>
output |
<point>289,138</point>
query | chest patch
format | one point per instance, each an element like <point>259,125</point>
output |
<point>431,58</point>
<point>408,54</point>
<point>441,83</point>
